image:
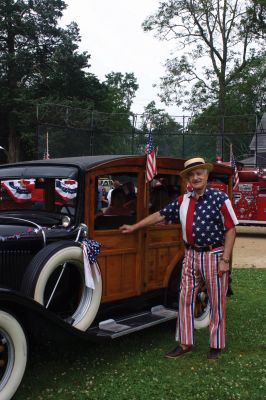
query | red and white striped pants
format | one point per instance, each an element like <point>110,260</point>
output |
<point>198,266</point>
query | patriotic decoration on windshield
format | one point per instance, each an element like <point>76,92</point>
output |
<point>236,177</point>
<point>151,151</point>
<point>66,189</point>
<point>16,190</point>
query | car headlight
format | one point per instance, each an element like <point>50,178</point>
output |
<point>66,221</point>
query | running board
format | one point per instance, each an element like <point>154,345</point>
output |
<point>112,329</point>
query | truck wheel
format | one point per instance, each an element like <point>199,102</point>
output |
<point>13,355</point>
<point>202,309</point>
<point>55,278</point>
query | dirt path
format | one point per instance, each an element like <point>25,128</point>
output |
<point>250,247</point>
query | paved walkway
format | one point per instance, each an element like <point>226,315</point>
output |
<point>250,247</point>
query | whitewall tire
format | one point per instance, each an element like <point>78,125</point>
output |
<point>70,299</point>
<point>13,355</point>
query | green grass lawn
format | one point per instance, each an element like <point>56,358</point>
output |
<point>134,367</point>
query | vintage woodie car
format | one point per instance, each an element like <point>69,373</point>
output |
<point>50,211</point>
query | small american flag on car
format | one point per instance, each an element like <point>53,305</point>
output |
<point>151,151</point>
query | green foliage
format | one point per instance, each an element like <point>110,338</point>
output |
<point>121,89</point>
<point>165,131</point>
<point>257,16</point>
<point>215,42</point>
<point>246,94</point>
<point>40,65</point>
<point>134,367</point>
<point>245,97</point>
<point>75,128</point>
<point>29,39</point>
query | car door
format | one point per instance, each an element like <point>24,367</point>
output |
<point>120,256</point>
<point>163,242</point>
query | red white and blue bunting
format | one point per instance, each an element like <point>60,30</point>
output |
<point>16,191</point>
<point>91,248</point>
<point>66,189</point>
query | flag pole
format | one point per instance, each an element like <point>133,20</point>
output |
<point>47,143</point>
<point>46,148</point>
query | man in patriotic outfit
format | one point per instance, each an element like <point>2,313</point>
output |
<point>208,228</point>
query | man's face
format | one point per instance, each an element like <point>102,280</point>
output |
<point>198,179</point>
<point>117,184</point>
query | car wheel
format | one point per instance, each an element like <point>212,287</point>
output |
<point>13,354</point>
<point>202,309</point>
<point>55,278</point>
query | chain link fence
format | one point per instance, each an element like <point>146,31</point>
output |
<point>76,132</point>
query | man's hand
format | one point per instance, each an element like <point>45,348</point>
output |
<point>126,228</point>
<point>224,264</point>
<point>223,267</point>
<point>151,219</point>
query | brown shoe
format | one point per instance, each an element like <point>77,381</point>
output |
<point>177,352</point>
<point>214,354</point>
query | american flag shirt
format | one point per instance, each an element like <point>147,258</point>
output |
<point>204,220</point>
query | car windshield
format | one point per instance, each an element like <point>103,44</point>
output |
<point>54,195</point>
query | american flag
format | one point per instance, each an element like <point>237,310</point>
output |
<point>236,177</point>
<point>46,155</point>
<point>151,152</point>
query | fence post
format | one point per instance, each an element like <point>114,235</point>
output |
<point>256,142</point>
<point>91,136</point>
<point>37,132</point>
<point>133,133</point>
<point>183,138</point>
<point>222,144</point>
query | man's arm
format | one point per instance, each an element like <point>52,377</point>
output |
<point>152,219</point>
<point>230,236</point>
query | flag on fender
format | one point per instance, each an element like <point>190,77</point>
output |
<point>151,151</point>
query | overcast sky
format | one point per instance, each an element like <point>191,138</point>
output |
<point>112,34</point>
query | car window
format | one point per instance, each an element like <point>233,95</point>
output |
<point>115,203</point>
<point>163,190</point>
<point>47,194</point>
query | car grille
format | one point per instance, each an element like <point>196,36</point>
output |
<point>12,267</point>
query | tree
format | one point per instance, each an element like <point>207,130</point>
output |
<point>122,89</point>
<point>64,73</point>
<point>257,16</point>
<point>245,101</point>
<point>167,133</point>
<point>216,40</point>
<point>246,94</point>
<point>32,45</point>
<point>41,68</point>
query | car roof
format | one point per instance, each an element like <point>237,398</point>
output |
<point>64,167</point>
<point>85,163</point>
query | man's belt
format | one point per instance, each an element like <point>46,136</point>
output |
<point>203,248</point>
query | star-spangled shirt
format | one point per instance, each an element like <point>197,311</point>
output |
<point>204,220</point>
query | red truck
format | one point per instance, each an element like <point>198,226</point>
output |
<point>249,196</point>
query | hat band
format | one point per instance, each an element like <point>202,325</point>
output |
<point>194,164</point>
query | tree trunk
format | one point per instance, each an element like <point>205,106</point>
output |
<point>13,141</point>
<point>221,114</point>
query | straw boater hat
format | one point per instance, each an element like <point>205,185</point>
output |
<point>195,163</point>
